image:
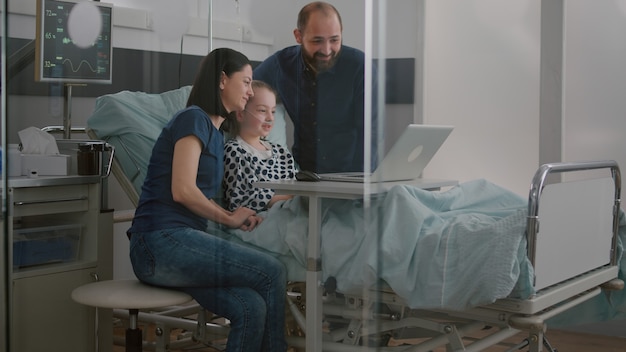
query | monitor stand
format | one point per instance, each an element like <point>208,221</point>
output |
<point>67,108</point>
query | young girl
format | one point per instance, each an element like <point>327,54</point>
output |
<point>249,158</point>
<point>169,245</point>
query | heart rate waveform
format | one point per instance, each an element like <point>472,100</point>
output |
<point>80,64</point>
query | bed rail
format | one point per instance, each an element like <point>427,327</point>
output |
<point>540,181</point>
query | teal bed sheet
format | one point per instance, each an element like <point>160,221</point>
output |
<point>455,249</point>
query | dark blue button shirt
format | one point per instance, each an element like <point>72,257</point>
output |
<point>157,208</point>
<point>327,110</point>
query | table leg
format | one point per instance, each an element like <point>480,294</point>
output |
<point>314,279</point>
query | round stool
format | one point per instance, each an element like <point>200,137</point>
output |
<point>128,294</point>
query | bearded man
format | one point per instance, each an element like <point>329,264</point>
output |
<point>321,83</point>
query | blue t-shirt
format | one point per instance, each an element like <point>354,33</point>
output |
<point>327,109</point>
<point>157,208</point>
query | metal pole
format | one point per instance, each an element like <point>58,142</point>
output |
<point>210,20</point>
<point>67,112</point>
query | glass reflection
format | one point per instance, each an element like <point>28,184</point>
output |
<point>4,265</point>
<point>155,54</point>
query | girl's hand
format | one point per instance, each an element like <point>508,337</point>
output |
<point>278,199</point>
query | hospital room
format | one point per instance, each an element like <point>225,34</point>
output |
<point>181,175</point>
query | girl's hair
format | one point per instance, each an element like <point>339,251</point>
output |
<point>205,92</point>
<point>231,125</point>
<point>256,84</point>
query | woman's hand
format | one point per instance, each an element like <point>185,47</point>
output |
<point>245,219</point>
<point>252,222</point>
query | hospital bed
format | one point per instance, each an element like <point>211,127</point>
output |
<point>572,251</point>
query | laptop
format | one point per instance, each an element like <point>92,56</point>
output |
<point>406,159</point>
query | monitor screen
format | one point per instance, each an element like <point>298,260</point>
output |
<point>58,58</point>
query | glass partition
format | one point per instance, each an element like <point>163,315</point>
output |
<point>4,262</point>
<point>156,48</point>
<point>354,97</point>
<point>388,38</point>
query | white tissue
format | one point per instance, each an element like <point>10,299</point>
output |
<point>36,141</point>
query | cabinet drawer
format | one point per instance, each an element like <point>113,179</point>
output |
<point>49,200</point>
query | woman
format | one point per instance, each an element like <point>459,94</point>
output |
<point>249,151</point>
<point>169,245</point>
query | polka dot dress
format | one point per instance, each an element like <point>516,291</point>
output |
<point>242,169</point>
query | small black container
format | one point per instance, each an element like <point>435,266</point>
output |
<point>89,158</point>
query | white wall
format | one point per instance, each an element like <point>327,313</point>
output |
<point>594,88</point>
<point>482,76</point>
<point>266,21</point>
<point>594,92</point>
<point>278,18</point>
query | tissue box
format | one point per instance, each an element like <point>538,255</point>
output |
<point>46,165</point>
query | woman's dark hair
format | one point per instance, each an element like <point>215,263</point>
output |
<point>205,92</point>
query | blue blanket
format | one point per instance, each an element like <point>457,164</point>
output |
<point>456,249</point>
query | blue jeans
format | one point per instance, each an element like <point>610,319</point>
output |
<point>242,284</point>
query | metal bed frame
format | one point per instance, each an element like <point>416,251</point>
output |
<point>379,315</point>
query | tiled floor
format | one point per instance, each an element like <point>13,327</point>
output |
<point>571,342</point>
<point>561,340</point>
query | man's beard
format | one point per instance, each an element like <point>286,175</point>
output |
<point>322,65</point>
